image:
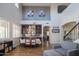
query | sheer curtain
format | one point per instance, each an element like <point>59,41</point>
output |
<point>4,29</point>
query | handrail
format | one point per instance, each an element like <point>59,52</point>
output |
<point>71,30</point>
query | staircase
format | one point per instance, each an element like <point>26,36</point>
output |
<point>72,36</point>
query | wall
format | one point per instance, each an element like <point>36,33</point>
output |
<point>36,12</point>
<point>43,23</point>
<point>55,21</point>
<point>10,13</point>
<point>70,14</point>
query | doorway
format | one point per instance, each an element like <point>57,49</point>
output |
<point>46,33</point>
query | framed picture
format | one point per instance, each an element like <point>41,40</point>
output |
<point>56,29</point>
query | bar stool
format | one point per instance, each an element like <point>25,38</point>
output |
<point>33,43</point>
<point>27,43</point>
<point>38,42</point>
<point>22,42</point>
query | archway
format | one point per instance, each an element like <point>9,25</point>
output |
<point>66,28</point>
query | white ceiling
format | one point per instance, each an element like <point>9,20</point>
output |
<point>36,4</point>
<point>43,4</point>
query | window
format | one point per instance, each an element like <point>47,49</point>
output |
<point>7,30</point>
<point>41,14</point>
<point>17,5</point>
<point>4,29</point>
<point>35,13</point>
<point>16,30</point>
<point>61,8</point>
<point>2,32</point>
<point>31,13</point>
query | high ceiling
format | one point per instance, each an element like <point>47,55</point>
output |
<point>43,4</point>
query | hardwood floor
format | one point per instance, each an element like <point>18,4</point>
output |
<point>25,51</point>
<point>21,51</point>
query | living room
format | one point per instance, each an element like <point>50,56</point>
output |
<point>26,28</point>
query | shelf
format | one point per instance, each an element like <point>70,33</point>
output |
<point>32,29</point>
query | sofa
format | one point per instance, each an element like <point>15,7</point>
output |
<point>67,48</point>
